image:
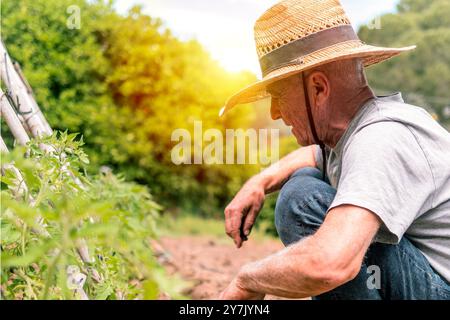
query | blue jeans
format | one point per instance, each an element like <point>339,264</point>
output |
<point>403,272</point>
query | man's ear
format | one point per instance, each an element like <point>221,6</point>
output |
<point>319,86</point>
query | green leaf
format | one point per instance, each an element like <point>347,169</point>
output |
<point>9,233</point>
<point>104,291</point>
<point>151,290</point>
<point>34,254</point>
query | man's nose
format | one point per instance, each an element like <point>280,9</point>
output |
<point>275,110</point>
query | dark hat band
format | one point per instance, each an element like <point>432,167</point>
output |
<point>292,52</point>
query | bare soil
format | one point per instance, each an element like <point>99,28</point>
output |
<point>210,263</point>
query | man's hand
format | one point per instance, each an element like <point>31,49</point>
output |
<point>235,292</point>
<point>241,213</point>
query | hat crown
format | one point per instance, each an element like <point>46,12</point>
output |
<point>291,20</point>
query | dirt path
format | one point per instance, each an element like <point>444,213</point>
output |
<point>211,263</point>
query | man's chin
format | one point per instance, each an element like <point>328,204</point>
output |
<point>301,140</point>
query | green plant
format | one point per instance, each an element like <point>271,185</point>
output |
<point>115,218</point>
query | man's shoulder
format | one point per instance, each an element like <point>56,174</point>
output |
<point>385,119</point>
<point>386,127</point>
<point>386,111</point>
<point>381,134</point>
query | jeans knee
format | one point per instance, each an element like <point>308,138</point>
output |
<point>309,172</point>
<point>302,205</point>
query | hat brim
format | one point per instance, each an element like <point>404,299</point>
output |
<point>352,49</point>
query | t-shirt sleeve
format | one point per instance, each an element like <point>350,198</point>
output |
<point>385,171</point>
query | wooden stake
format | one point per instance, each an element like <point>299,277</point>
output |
<point>27,107</point>
<point>48,129</point>
<point>12,120</point>
<point>3,147</point>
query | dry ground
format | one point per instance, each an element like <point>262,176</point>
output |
<point>210,263</point>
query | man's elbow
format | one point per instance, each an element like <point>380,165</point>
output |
<point>343,275</point>
<point>334,272</point>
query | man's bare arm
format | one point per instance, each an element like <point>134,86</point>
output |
<point>242,212</point>
<point>318,264</point>
<point>274,177</point>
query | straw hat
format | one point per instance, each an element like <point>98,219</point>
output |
<point>297,35</point>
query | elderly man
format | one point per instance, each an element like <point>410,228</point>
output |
<point>364,207</point>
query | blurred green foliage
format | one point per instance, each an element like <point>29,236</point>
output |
<point>423,75</point>
<point>43,225</point>
<point>125,83</point>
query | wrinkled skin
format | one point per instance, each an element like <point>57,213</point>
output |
<point>288,104</point>
<point>242,212</point>
<point>235,292</point>
<point>334,103</point>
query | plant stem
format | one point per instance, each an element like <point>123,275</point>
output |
<point>51,270</point>
<point>28,281</point>
<point>24,231</point>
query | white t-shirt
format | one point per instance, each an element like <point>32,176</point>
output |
<point>394,160</point>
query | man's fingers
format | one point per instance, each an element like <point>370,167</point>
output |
<point>233,222</point>
<point>228,223</point>
<point>236,235</point>
<point>249,222</point>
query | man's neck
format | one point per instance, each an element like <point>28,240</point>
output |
<point>343,113</point>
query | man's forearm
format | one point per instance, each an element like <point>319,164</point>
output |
<point>291,273</point>
<point>320,263</point>
<point>274,177</point>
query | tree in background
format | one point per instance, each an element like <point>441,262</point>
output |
<point>169,84</point>
<point>67,69</point>
<point>424,74</point>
